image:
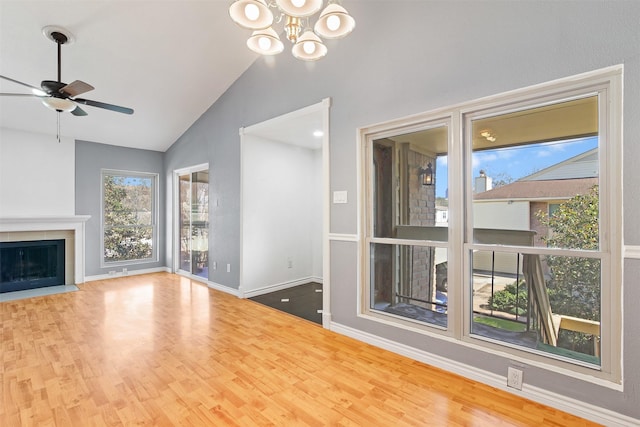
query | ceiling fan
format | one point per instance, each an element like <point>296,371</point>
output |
<point>60,96</point>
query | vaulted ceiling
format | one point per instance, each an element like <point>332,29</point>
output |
<point>168,60</point>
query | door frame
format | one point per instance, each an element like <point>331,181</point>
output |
<point>324,108</point>
<point>176,216</point>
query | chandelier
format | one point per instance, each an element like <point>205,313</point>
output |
<point>334,22</point>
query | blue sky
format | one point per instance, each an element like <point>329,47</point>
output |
<point>517,162</point>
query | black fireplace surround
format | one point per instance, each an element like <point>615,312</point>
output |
<point>31,264</point>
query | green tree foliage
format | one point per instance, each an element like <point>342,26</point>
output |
<point>574,286</point>
<point>128,233</point>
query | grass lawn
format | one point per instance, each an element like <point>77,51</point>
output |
<point>508,325</point>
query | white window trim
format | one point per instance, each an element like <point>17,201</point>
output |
<point>608,83</point>
<point>155,177</point>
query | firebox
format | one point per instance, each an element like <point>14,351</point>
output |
<point>31,264</point>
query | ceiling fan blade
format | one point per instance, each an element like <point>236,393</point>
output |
<point>76,88</point>
<point>78,112</point>
<point>21,83</point>
<point>104,105</point>
<point>20,94</point>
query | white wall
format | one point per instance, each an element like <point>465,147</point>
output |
<point>501,215</point>
<point>281,213</point>
<point>37,174</point>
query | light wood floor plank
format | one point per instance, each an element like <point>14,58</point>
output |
<point>163,350</point>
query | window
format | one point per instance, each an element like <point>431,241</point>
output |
<point>408,246</point>
<point>542,299</point>
<point>128,217</point>
<point>497,223</point>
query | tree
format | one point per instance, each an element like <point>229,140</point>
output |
<point>574,286</point>
<point>501,179</point>
<point>128,233</point>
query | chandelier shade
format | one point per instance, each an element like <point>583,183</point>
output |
<point>251,14</point>
<point>309,47</point>
<point>265,42</point>
<point>299,8</point>
<point>334,22</point>
<point>292,17</point>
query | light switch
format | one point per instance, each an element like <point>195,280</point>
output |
<point>339,197</point>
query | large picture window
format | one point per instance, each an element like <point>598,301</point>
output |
<point>498,223</point>
<point>128,217</point>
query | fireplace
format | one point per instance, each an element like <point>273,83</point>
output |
<point>69,228</point>
<point>31,264</point>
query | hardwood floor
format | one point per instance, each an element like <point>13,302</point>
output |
<point>163,350</point>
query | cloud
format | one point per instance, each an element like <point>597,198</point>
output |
<point>481,159</point>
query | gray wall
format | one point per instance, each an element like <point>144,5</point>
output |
<point>91,158</point>
<point>406,57</point>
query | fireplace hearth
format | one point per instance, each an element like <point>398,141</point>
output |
<point>31,264</point>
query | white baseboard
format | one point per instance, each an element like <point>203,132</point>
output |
<point>279,286</point>
<point>210,284</point>
<point>129,273</point>
<point>223,288</point>
<point>545,397</point>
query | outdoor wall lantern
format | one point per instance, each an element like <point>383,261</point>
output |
<point>427,175</point>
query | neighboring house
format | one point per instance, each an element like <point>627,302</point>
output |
<point>515,206</point>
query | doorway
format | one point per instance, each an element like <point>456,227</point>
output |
<point>193,221</point>
<point>284,223</point>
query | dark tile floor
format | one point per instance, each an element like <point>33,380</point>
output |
<point>303,301</point>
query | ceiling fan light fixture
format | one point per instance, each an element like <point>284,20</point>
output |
<point>334,22</point>
<point>299,8</point>
<point>59,104</point>
<point>251,14</point>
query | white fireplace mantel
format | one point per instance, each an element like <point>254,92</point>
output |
<point>75,223</point>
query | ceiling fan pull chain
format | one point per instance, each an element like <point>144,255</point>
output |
<point>58,134</point>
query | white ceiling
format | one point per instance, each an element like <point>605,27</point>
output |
<point>295,128</point>
<point>168,60</point>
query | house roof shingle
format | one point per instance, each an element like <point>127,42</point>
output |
<point>530,190</point>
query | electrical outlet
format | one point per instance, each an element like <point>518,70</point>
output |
<point>112,273</point>
<point>125,271</point>
<point>514,378</point>
<point>215,265</point>
<point>289,262</point>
